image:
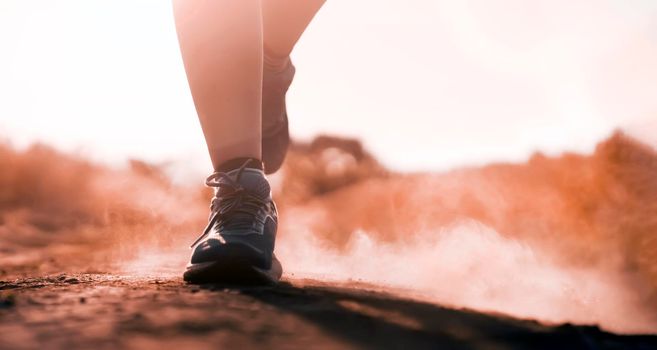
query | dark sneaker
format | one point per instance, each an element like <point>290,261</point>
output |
<point>275,133</point>
<point>237,245</point>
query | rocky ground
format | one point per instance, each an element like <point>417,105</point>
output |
<point>109,311</point>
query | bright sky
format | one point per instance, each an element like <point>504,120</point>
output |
<point>426,84</point>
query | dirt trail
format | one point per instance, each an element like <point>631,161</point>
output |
<point>109,311</point>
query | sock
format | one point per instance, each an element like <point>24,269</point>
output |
<point>235,163</point>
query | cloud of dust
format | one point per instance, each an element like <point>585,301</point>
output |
<point>61,212</point>
<point>472,266</point>
<point>568,239</point>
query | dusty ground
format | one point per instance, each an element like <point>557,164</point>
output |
<point>109,311</point>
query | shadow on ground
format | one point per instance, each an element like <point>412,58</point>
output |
<point>109,311</point>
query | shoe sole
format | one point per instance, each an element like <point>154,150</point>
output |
<point>233,268</point>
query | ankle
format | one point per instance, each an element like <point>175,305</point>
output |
<point>236,163</point>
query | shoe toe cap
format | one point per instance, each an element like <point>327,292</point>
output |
<point>206,251</point>
<point>214,249</point>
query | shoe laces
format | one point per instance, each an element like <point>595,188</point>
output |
<point>237,208</point>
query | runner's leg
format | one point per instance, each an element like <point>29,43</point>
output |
<point>221,43</point>
<point>283,23</point>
